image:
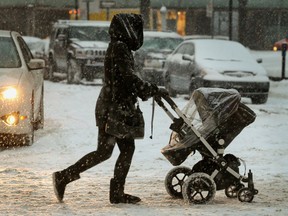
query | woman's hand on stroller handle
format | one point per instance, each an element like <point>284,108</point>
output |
<point>162,92</point>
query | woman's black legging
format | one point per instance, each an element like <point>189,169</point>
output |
<point>104,151</point>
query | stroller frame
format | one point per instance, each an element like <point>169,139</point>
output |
<point>200,187</point>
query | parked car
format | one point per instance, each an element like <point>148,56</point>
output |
<point>77,49</point>
<point>150,58</point>
<point>278,44</point>
<point>21,91</point>
<point>39,49</point>
<point>220,37</point>
<point>215,63</point>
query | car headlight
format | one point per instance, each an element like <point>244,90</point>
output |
<point>80,53</point>
<point>9,93</point>
<point>11,119</point>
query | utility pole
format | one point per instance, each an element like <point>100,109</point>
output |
<point>230,18</point>
<point>145,11</point>
<point>76,8</point>
<point>242,11</point>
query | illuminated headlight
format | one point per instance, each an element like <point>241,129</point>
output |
<point>11,119</point>
<point>9,93</point>
<point>79,53</point>
<point>275,48</point>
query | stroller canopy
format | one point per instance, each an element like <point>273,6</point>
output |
<point>215,104</point>
<point>216,114</point>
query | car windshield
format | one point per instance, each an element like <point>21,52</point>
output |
<point>160,43</point>
<point>222,51</point>
<point>9,57</point>
<point>89,33</point>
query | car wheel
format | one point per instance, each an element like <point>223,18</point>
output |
<point>39,124</point>
<point>259,99</point>
<point>73,72</point>
<point>28,139</point>
<point>167,85</point>
<point>51,68</point>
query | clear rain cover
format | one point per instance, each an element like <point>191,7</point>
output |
<point>216,114</point>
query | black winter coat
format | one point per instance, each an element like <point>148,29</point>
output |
<point>121,83</point>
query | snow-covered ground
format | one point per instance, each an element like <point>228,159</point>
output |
<point>70,132</point>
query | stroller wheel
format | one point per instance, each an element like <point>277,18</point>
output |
<point>232,190</point>
<point>245,195</point>
<point>175,179</point>
<point>199,188</point>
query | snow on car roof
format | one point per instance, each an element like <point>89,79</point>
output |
<point>31,39</point>
<point>83,23</point>
<point>220,49</point>
<point>161,34</point>
<point>5,33</point>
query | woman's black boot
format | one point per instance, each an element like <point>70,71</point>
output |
<point>117,194</point>
<point>60,180</point>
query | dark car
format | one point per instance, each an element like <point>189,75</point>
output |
<point>215,63</point>
<point>150,58</point>
<point>77,49</point>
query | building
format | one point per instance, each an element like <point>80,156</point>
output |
<point>255,23</point>
<point>32,17</point>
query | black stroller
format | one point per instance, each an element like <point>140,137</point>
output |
<point>207,124</point>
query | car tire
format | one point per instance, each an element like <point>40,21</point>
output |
<point>51,68</point>
<point>39,124</point>
<point>259,99</point>
<point>28,139</point>
<point>73,72</point>
<point>167,84</point>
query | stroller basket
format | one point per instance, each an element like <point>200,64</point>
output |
<point>216,115</point>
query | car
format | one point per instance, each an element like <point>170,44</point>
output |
<point>21,91</point>
<point>278,44</point>
<point>39,49</point>
<point>215,63</point>
<point>150,58</point>
<point>77,49</point>
<point>220,37</point>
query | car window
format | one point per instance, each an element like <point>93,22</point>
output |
<point>59,32</point>
<point>9,57</point>
<point>186,48</point>
<point>156,43</point>
<point>89,33</point>
<point>189,49</point>
<point>25,50</point>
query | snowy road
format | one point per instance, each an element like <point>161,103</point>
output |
<point>70,132</point>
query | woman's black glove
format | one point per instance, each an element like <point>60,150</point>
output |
<point>154,89</point>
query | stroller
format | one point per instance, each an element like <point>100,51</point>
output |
<point>207,124</point>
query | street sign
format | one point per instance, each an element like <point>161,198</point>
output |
<point>107,4</point>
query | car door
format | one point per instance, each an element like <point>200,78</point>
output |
<point>35,76</point>
<point>183,62</point>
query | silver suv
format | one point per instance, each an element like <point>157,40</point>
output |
<point>77,48</point>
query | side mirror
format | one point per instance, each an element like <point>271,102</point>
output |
<point>188,57</point>
<point>259,60</point>
<point>35,64</point>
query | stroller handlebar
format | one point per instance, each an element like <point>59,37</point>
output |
<point>167,98</point>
